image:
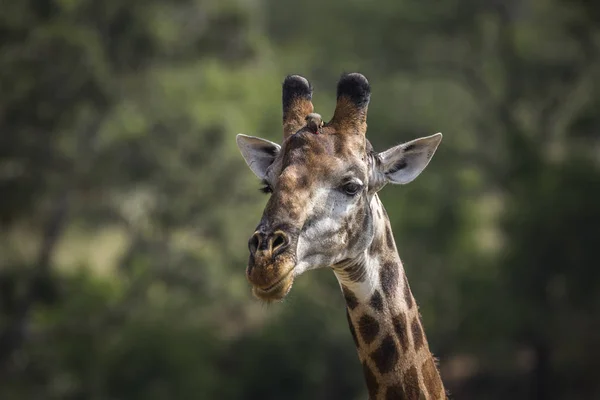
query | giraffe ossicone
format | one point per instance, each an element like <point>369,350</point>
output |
<point>324,211</point>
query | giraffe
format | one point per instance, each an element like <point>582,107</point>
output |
<point>324,211</point>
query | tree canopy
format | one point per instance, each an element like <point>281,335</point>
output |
<point>125,206</point>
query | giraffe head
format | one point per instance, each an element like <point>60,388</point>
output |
<point>320,181</point>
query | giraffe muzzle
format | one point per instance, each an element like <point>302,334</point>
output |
<point>272,244</point>
<point>271,263</point>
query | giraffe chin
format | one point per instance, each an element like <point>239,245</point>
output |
<point>276,291</point>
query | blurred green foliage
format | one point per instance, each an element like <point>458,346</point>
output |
<point>125,207</point>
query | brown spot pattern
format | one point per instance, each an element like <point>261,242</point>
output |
<point>368,328</point>
<point>303,181</point>
<point>351,300</point>
<point>395,392</point>
<point>417,333</point>
<point>407,293</point>
<point>412,391</point>
<point>352,330</point>
<point>431,378</point>
<point>376,301</point>
<point>388,277</point>
<point>401,329</point>
<point>372,385</point>
<point>355,237</point>
<point>386,355</point>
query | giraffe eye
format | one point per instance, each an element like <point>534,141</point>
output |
<point>351,188</point>
<point>266,188</point>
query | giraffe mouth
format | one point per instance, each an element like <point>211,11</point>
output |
<point>276,291</point>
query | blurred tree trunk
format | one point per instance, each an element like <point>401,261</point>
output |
<point>541,380</point>
<point>39,284</point>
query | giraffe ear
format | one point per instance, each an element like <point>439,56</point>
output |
<point>258,153</point>
<point>403,163</point>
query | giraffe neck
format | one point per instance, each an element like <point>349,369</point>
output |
<point>384,320</point>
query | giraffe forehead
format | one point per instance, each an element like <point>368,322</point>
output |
<point>328,140</point>
<point>322,155</point>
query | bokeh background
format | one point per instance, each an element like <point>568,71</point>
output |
<point>125,206</point>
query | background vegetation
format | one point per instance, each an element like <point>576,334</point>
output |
<point>125,207</point>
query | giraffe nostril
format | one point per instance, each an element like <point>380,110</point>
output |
<point>280,242</point>
<point>268,245</point>
<point>253,243</point>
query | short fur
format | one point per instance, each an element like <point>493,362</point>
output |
<point>324,211</point>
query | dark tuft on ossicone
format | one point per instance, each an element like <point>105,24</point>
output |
<point>356,87</point>
<point>295,87</point>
